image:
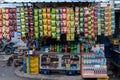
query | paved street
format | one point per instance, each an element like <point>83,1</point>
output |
<point>7,73</point>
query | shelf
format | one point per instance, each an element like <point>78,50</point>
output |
<point>60,69</point>
<point>95,76</point>
<point>58,53</point>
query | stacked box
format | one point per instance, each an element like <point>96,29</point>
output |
<point>34,65</point>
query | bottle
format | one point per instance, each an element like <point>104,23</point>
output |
<point>78,48</point>
<point>69,48</point>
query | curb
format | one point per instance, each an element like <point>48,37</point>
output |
<point>45,77</point>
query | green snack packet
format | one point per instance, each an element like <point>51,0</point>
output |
<point>53,35</point>
<point>53,11</point>
<point>53,29</point>
<point>53,23</point>
<point>53,16</point>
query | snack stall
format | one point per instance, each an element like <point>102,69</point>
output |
<point>60,35</point>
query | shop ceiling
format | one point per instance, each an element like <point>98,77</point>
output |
<point>54,0</point>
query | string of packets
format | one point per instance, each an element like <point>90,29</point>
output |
<point>86,22</point>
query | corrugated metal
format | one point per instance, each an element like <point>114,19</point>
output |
<point>56,0</point>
